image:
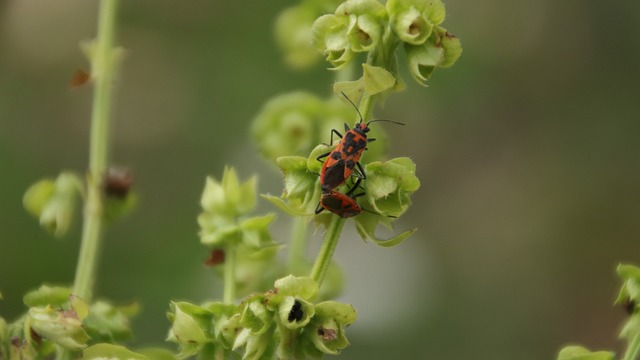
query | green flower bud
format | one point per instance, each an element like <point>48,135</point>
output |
<point>62,327</point>
<point>286,125</point>
<point>259,326</point>
<point>119,199</point>
<point>356,26</point>
<point>413,20</point>
<point>580,353</point>
<point>440,50</point>
<point>191,327</point>
<point>327,330</point>
<point>452,49</point>
<point>293,34</point>
<point>329,35</point>
<point>53,202</point>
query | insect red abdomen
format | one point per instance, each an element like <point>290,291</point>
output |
<point>340,204</point>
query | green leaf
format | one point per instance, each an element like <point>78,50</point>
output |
<point>580,353</point>
<point>285,206</point>
<point>377,79</point>
<point>394,240</point>
<point>54,202</point>
<point>114,352</point>
<point>47,295</point>
<point>37,196</point>
<point>353,89</point>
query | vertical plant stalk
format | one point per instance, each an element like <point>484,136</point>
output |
<point>102,68</point>
<point>298,247</point>
<point>329,244</point>
<point>633,349</point>
<point>230,256</point>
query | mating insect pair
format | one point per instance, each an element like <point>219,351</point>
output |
<point>340,164</point>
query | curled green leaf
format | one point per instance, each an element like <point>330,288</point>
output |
<point>575,352</point>
<point>110,351</point>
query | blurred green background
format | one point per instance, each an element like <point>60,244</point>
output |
<point>527,150</point>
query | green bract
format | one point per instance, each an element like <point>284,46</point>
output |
<point>191,327</point>
<point>442,49</point>
<point>413,20</point>
<point>356,26</point>
<point>54,202</point>
<point>62,327</point>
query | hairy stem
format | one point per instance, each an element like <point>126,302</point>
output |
<point>102,73</point>
<point>329,244</point>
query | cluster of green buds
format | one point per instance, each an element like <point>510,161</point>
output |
<point>226,227</point>
<point>368,26</point>
<point>283,321</point>
<point>628,298</point>
<point>54,201</point>
<point>57,319</point>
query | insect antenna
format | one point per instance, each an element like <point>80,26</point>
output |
<point>385,120</point>
<point>354,105</point>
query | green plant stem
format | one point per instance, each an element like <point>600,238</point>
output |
<point>230,256</point>
<point>296,260</point>
<point>329,244</point>
<point>102,69</point>
<point>633,349</point>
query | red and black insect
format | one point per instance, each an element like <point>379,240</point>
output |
<point>343,160</point>
<point>343,205</point>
